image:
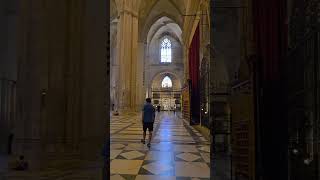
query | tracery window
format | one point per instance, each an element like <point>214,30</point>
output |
<point>166,82</point>
<point>166,51</point>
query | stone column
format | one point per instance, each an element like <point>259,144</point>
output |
<point>61,87</point>
<point>95,73</point>
<point>61,75</point>
<point>148,76</point>
<point>73,77</point>
<point>8,77</point>
<point>32,79</point>
<point>140,86</point>
<point>114,79</point>
<point>127,52</point>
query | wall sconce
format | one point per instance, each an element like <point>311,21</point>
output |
<point>43,98</point>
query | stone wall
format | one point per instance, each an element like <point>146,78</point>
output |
<point>154,66</point>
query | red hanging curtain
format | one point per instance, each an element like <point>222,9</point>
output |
<point>270,27</point>
<point>194,57</point>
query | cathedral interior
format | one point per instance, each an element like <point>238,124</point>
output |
<point>235,86</point>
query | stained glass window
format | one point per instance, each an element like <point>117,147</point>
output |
<point>166,50</point>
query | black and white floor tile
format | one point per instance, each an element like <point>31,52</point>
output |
<point>177,152</point>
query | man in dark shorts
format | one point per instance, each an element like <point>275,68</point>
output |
<point>148,116</point>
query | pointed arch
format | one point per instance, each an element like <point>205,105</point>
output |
<point>166,82</point>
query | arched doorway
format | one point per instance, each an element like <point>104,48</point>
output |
<point>166,91</point>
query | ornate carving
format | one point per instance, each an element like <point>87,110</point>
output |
<point>304,18</point>
<point>244,87</point>
<point>301,85</point>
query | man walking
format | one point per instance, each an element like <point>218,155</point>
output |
<point>148,116</point>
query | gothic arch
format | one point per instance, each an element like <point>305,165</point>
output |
<point>170,28</point>
<point>174,77</point>
<point>147,27</point>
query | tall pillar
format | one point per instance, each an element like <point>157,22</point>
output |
<point>148,76</point>
<point>114,79</point>
<point>127,47</point>
<point>8,14</point>
<point>29,137</point>
<point>94,77</point>
<point>140,83</point>
<point>61,86</point>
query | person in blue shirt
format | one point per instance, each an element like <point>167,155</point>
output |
<point>148,116</point>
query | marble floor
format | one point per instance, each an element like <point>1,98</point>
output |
<point>178,151</point>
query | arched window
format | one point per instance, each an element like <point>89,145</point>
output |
<point>166,82</point>
<point>166,50</point>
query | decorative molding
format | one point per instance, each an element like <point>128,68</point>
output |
<point>304,18</point>
<point>243,87</point>
<point>134,14</point>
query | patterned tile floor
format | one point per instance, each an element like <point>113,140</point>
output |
<point>177,150</point>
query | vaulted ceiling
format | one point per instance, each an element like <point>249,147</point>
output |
<point>147,5</point>
<point>150,11</point>
<point>151,15</point>
<point>164,25</point>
